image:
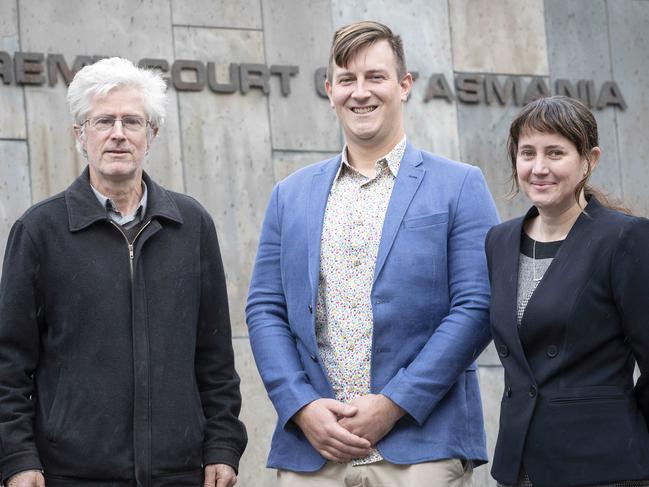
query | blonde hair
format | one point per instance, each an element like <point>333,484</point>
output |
<point>350,39</point>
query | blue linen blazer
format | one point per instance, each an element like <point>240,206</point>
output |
<point>430,301</point>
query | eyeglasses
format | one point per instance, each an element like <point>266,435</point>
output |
<point>130,123</point>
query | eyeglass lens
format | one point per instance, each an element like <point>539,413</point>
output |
<point>131,123</point>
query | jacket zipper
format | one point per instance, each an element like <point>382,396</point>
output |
<point>131,246</point>
<point>131,259</point>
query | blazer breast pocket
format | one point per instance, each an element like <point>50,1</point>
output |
<point>424,221</point>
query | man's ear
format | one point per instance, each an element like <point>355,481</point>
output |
<point>150,136</point>
<point>406,86</point>
<point>328,90</point>
<point>79,134</point>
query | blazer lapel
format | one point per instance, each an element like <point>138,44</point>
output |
<point>560,269</point>
<point>321,183</point>
<point>408,181</point>
<point>507,266</point>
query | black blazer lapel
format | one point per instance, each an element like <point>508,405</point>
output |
<point>504,292</point>
<point>565,275</point>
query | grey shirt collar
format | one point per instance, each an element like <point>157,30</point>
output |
<point>136,216</point>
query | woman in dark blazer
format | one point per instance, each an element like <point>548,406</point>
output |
<point>569,314</point>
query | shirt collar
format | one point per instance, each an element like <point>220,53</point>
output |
<point>113,212</point>
<point>392,158</point>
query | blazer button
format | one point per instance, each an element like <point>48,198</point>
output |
<point>503,351</point>
<point>532,391</point>
<point>508,392</point>
<point>552,351</point>
<point>314,358</point>
<point>310,309</point>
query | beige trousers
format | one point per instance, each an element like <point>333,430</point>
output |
<point>443,473</point>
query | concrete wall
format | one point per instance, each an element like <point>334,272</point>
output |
<point>228,150</point>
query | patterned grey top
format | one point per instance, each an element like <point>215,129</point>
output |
<point>534,260</point>
<point>351,234</point>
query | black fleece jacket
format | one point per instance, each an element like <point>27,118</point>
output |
<point>116,363</point>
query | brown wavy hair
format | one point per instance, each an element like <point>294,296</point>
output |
<point>350,39</point>
<point>573,120</point>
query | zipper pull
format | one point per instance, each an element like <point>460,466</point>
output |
<point>130,251</point>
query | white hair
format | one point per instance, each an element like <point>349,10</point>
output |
<point>107,74</point>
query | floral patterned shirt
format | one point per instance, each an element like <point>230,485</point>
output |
<point>351,234</point>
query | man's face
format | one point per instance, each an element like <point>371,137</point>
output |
<point>368,96</point>
<point>115,152</point>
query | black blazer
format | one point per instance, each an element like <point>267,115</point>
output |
<point>570,412</point>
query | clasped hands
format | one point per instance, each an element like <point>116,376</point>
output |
<point>341,432</point>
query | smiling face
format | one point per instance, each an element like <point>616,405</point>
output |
<point>116,154</point>
<point>368,95</point>
<point>549,168</point>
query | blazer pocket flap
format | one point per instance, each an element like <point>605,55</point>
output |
<point>425,220</point>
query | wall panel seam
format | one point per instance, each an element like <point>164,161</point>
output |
<point>267,98</point>
<point>183,162</point>
<point>25,111</point>
<point>615,113</point>
<point>221,27</point>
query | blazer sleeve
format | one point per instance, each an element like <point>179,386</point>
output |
<point>464,333</point>
<point>273,343</point>
<point>630,275</point>
<point>20,307</point>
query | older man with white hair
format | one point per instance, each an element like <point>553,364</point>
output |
<point>116,360</point>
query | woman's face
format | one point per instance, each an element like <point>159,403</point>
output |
<point>549,169</point>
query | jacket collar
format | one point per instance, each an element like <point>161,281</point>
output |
<point>412,156</point>
<point>84,209</point>
<point>406,184</point>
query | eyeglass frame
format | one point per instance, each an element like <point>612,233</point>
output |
<point>89,120</point>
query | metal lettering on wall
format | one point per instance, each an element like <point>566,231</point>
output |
<point>29,68</point>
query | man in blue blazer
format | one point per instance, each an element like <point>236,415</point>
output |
<point>369,298</point>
